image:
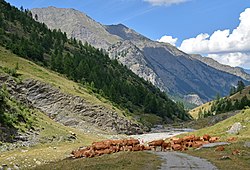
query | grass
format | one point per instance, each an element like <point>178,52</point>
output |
<point>240,162</point>
<point>195,112</point>
<point>220,128</point>
<point>54,145</point>
<point>121,160</point>
<point>236,162</point>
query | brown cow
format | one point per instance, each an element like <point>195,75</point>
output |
<point>188,144</point>
<point>177,141</point>
<point>213,139</point>
<point>136,148</point>
<point>166,146</point>
<point>220,148</point>
<point>132,142</point>
<point>177,147</point>
<point>197,144</point>
<point>190,138</point>
<point>100,145</point>
<point>236,152</point>
<point>156,143</point>
<point>147,148</point>
<point>89,153</point>
<point>206,137</point>
<point>232,139</point>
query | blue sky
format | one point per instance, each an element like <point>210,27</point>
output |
<point>179,20</point>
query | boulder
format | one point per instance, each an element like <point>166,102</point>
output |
<point>247,144</point>
<point>235,128</point>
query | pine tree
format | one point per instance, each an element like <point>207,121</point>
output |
<point>240,86</point>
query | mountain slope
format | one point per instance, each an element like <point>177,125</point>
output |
<point>162,64</point>
<point>233,102</point>
<point>77,25</point>
<point>84,64</point>
<point>232,70</point>
<point>178,71</point>
<point>247,71</point>
<point>62,100</point>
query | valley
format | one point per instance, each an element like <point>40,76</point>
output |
<point>68,82</point>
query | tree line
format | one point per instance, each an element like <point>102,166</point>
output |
<point>226,104</point>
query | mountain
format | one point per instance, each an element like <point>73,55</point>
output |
<point>247,71</point>
<point>166,67</point>
<point>91,68</point>
<point>76,24</point>
<point>215,64</point>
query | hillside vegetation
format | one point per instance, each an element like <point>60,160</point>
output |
<point>239,98</point>
<point>82,63</point>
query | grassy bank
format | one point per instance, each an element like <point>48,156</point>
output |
<point>240,161</point>
<point>121,160</point>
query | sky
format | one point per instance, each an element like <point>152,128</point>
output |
<point>219,29</point>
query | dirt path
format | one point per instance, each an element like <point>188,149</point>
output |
<point>181,161</point>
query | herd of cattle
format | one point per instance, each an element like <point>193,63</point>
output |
<point>112,146</point>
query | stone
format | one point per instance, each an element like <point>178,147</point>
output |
<point>225,158</point>
<point>235,128</point>
<point>210,145</point>
<point>247,144</point>
<point>38,163</point>
<point>15,167</point>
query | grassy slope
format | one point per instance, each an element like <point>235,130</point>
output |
<point>194,112</point>
<point>46,152</point>
<point>28,69</point>
<point>241,161</point>
<point>56,150</point>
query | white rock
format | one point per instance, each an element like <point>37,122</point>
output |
<point>235,129</point>
<point>38,163</point>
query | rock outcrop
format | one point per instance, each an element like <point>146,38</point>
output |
<point>193,98</point>
<point>68,109</point>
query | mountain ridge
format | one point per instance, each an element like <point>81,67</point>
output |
<point>168,68</point>
<point>226,68</point>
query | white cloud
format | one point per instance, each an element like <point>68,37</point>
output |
<point>165,2</point>
<point>231,48</point>
<point>233,59</point>
<point>168,39</point>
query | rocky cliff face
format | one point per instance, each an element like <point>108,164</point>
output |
<point>132,57</point>
<point>232,70</point>
<point>162,64</point>
<point>193,98</point>
<point>68,109</point>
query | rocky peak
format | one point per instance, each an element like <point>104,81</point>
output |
<point>76,24</point>
<point>124,32</point>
